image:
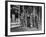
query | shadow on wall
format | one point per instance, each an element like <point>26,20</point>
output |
<point>10,36</point>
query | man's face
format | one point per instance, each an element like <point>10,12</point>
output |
<point>16,11</point>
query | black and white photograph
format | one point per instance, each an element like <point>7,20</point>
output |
<point>25,18</point>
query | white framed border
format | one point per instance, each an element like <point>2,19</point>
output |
<point>26,32</point>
